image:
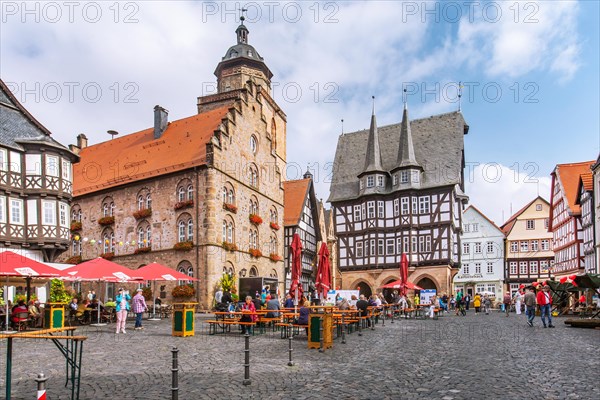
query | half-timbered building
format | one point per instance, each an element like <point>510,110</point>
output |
<point>35,184</point>
<point>596,212</point>
<point>585,200</point>
<point>528,245</point>
<point>565,218</point>
<point>301,216</point>
<point>400,189</point>
<point>482,255</point>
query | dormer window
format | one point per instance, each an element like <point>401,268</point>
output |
<point>380,181</point>
<point>395,179</point>
<point>403,176</point>
<point>370,181</point>
<point>415,176</point>
<point>233,54</point>
<point>250,53</point>
<point>361,184</point>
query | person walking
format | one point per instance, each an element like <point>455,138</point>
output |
<point>506,301</point>
<point>544,300</point>
<point>487,304</point>
<point>122,300</point>
<point>477,303</point>
<point>467,302</point>
<point>518,298</point>
<point>139,306</point>
<point>529,300</point>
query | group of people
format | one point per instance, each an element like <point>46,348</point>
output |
<point>17,314</point>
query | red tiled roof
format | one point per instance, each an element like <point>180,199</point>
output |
<point>139,156</point>
<point>569,175</point>
<point>587,181</point>
<point>294,197</point>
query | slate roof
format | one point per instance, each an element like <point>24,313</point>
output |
<point>373,157</point>
<point>139,156</point>
<point>438,145</point>
<point>18,126</point>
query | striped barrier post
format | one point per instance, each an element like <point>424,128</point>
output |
<point>41,386</point>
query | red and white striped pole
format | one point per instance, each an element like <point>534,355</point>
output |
<point>41,386</point>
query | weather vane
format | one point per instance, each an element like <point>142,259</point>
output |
<point>460,88</point>
<point>404,96</point>
<point>373,100</point>
<point>242,11</point>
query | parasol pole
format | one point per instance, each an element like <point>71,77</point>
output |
<point>6,328</point>
<point>296,300</point>
<point>98,323</point>
<point>154,303</point>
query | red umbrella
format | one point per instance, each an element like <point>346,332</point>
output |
<point>100,269</point>
<point>404,274</point>
<point>398,285</point>
<point>13,264</point>
<point>159,272</point>
<point>323,275</point>
<point>296,255</point>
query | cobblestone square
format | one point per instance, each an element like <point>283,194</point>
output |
<point>472,357</point>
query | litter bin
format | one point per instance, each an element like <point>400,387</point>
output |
<point>314,330</point>
<point>183,319</point>
<point>54,315</point>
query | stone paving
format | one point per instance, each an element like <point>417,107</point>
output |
<point>472,357</point>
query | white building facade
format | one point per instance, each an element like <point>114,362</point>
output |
<point>482,255</point>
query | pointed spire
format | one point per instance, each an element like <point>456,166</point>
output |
<point>373,157</point>
<point>406,151</point>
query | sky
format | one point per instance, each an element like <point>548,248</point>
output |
<point>530,73</point>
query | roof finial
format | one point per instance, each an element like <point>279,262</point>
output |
<point>373,100</point>
<point>460,87</point>
<point>242,18</point>
<point>342,126</point>
<point>404,97</point>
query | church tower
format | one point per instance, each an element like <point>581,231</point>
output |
<point>242,63</point>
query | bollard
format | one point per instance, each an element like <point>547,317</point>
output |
<point>321,335</point>
<point>174,377</point>
<point>359,322</point>
<point>41,386</point>
<point>290,337</point>
<point>343,330</point>
<point>246,380</point>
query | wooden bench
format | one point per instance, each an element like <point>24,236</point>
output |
<point>286,326</point>
<point>226,325</point>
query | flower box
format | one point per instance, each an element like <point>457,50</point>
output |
<point>75,226</point>
<point>256,253</point>
<point>143,213</point>
<point>183,291</point>
<point>183,246</point>
<point>104,221</point>
<point>275,257</point>
<point>184,204</point>
<point>142,250</point>
<point>73,260</point>
<point>229,246</point>
<point>255,219</point>
<point>230,207</point>
<point>107,256</point>
<point>274,226</point>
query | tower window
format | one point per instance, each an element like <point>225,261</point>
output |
<point>404,176</point>
<point>370,181</point>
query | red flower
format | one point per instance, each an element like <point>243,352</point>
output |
<point>255,219</point>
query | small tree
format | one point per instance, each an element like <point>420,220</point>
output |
<point>58,293</point>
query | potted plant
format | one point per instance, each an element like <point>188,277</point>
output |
<point>54,311</point>
<point>105,221</point>
<point>274,226</point>
<point>256,253</point>
<point>255,219</point>
<point>275,257</point>
<point>140,250</point>
<point>184,204</point>
<point>183,246</point>
<point>75,226</point>
<point>230,207</point>
<point>229,246</point>
<point>143,213</point>
<point>183,292</point>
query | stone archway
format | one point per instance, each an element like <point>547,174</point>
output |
<point>427,283</point>
<point>364,288</point>
<point>389,293</point>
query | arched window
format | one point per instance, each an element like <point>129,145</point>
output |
<point>140,202</point>
<point>273,274</point>
<point>185,228</point>
<point>76,213</point>
<point>228,269</point>
<point>108,241</point>
<point>228,234</point>
<point>148,201</point>
<point>144,199</point>
<point>273,245</point>
<point>253,271</point>
<point>228,194</point>
<point>253,176</point>
<point>253,144</point>
<point>253,239</point>
<point>76,247</point>
<point>108,207</point>
<point>185,267</point>
<point>243,272</point>
<point>253,205</point>
<point>185,190</point>
<point>273,215</point>
<point>144,235</point>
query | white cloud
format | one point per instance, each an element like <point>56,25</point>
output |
<point>499,191</point>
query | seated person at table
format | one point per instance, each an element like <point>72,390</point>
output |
<point>343,304</point>
<point>257,302</point>
<point>19,308</point>
<point>73,306</point>
<point>289,302</point>
<point>158,301</point>
<point>272,307</point>
<point>361,306</point>
<point>248,313</point>
<point>34,314</point>
<point>303,317</point>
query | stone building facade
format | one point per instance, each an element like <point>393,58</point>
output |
<point>200,194</point>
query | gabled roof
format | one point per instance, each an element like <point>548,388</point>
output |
<point>508,225</point>
<point>18,126</point>
<point>438,147</point>
<point>139,156</point>
<point>484,216</point>
<point>295,194</point>
<point>568,176</point>
<point>586,181</point>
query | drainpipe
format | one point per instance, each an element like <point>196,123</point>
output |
<point>197,207</point>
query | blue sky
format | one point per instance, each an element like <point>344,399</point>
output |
<point>542,56</point>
